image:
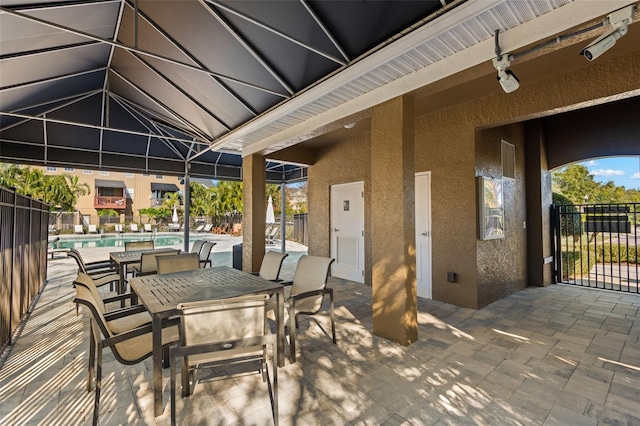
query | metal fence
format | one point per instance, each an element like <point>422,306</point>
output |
<point>300,229</point>
<point>598,245</point>
<point>23,258</point>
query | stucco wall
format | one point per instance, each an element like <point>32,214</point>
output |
<point>345,162</point>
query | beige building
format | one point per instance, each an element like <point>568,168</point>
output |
<point>125,193</point>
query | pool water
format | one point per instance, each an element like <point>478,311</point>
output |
<point>113,241</point>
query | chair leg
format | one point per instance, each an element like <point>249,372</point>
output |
<point>292,334</point>
<point>96,404</point>
<point>92,359</point>
<point>333,317</point>
<point>274,368</point>
<point>165,357</point>
<point>185,378</point>
<point>173,387</point>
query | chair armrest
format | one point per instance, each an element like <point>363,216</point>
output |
<point>287,283</point>
<point>119,298</point>
<point>319,292</point>
<point>101,264</point>
<point>125,312</point>
<point>255,273</point>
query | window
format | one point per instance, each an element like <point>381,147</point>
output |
<point>128,175</point>
<point>158,176</point>
<point>508,153</point>
<point>52,169</point>
<point>87,172</point>
<point>103,173</point>
<point>69,169</point>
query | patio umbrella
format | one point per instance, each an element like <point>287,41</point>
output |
<point>174,218</point>
<point>271,217</point>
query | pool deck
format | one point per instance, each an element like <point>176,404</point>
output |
<point>559,355</point>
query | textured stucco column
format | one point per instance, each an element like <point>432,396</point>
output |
<point>539,244</point>
<point>253,212</point>
<point>393,221</point>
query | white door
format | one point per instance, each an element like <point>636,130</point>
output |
<point>347,231</point>
<point>423,234</point>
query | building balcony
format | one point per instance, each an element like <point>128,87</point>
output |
<point>110,202</point>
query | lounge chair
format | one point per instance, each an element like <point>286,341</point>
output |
<point>237,230</point>
<point>207,228</point>
<point>118,228</point>
<point>271,236</point>
<point>52,250</point>
<point>77,229</point>
<point>199,228</point>
<point>133,227</point>
<point>93,229</point>
<point>147,227</point>
<point>220,332</point>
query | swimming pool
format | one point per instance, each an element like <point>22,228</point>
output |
<point>115,241</point>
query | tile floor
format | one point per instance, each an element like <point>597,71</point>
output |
<point>559,355</point>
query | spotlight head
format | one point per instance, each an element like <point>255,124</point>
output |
<point>619,20</point>
<point>508,81</point>
<point>507,78</point>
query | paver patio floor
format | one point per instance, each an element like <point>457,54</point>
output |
<point>558,355</point>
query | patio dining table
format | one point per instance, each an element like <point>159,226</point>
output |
<point>161,294</point>
<point>123,258</point>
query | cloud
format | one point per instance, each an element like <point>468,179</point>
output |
<point>607,172</point>
<point>636,176</point>
<point>590,163</point>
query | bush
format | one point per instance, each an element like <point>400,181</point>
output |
<point>577,263</point>
<point>571,217</point>
<point>614,253</point>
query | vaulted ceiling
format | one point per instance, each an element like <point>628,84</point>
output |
<point>150,86</point>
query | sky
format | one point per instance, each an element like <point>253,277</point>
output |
<point>623,171</point>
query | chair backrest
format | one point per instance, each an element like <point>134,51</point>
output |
<point>178,263</point>
<point>216,321</point>
<point>197,246</point>
<point>138,245</point>
<point>87,281</point>
<point>133,227</point>
<point>311,273</point>
<point>92,229</point>
<point>78,229</point>
<point>206,250</point>
<point>148,264</point>
<point>271,265</point>
<point>147,227</point>
<point>118,227</point>
<point>207,227</point>
<point>75,254</point>
<point>237,229</point>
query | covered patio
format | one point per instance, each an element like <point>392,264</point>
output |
<point>552,355</point>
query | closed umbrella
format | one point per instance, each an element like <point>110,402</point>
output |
<point>271,217</point>
<point>174,218</point>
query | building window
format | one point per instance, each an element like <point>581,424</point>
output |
<point>128,175</point>
<point>158,176</point>
<point>103,173</point>
<point>87,172</point>
<point>52,169</point>
<point>508,153</point>
<point>69,169</point>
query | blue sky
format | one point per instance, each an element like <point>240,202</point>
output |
<point>623,171</point>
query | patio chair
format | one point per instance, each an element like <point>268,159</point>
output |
<point>308,288</point>
<point>199,228</point>
<point>102,272</point>
<point>52,250</point>
<point>133,227</point>
<point>205,252</point>
<point>148,264</point>
<point>118,228</point>
<point>207,228</point>
<point>236,230</point>
<point>77,229</point>
<point>178,263</point>
<point>271,236</point>
<point>129,347</point>
<point>147,227</point>
<point>93,229</point>
<point>219,332</point>
<point>271,266</point>
<point>120,319</point>
<point>197,246</point>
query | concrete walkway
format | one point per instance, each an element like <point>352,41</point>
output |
<point>559,355</point>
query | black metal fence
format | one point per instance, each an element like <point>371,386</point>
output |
<point>598,245</point>
<point>23,258</point>
<point>300,229</point>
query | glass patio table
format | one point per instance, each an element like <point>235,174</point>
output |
<point>161,294</point>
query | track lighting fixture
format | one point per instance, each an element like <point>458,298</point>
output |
<point>619,21</point>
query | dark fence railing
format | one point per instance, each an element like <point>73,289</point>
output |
<point>300,229</point>
<point>23,258</point>
<point>598,245</point>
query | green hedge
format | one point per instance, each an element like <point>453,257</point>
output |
<point>577,262</point>
<point>614,253</point>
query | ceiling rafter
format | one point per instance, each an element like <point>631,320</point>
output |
<point>276,32</point>
<point>52,79</point>
<point>325,30</point>
<point>175,115</point>
<point>185,52</point>
<point>247,46</point>
<point>139,51</point>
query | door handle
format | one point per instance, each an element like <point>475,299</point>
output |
<point>425,234</point>
<point>335,229</point>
